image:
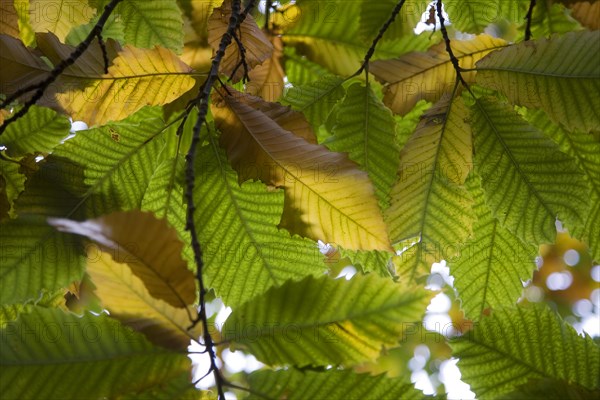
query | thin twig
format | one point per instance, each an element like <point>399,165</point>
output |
<point>241,49</point>
<point>453,58</point>
<point>364,66</point>
<point>202,103</point>
<point>104,52</point>
<point>41,87</point>
<point>268,8</point>
<point>529,18</point>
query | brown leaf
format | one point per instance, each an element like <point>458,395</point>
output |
<point>588,14</point>
<point>8,18</point>
<point>148,245</point>
<point>256,44</point>
<point>327,196</point>
<point>266,80</point>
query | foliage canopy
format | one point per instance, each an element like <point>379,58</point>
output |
<point>224,139</point>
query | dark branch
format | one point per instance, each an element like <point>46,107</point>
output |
<point>240,45</point>
<point>382,30</point>
<point>453,58</point>
<point>528,18</point>
<point>202,101</point>
<point>104,52</point>
<point>268,8</point>
<point>41,87</point>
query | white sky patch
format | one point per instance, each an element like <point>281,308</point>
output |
<point>422,26</point>
<point>571,257</point>
<point>559,280</point>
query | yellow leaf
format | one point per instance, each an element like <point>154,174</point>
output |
<point>588,14</point>
<point>8,19</point>
<point>59,16</point>
<point>127,299</point>
<point>148,245</point>
<point>327,196</point>
<point>256,44</point>
<point>137,78</point>
<point>416,76</point>
<point>266,80</point>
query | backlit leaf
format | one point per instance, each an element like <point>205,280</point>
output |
<point>515,345</point>
<point>293,384</point>
<point>9,22</point>
<point>418,75</point>
<point>324,321</point>
<point>251,254</point>
<point>257,46</point>
<point>148,245</point>
<point>127,299</point>
<point>137,78</point>
<point>531,74</point>
<point>96,355</point>
<point>473,16</point>
<point>327,196</point>
<point>59,17</point>
<point>490,270</point>
<point>429,199</point>
<point>528,182</point>
<point>365,129</point>
<point>266,80</point>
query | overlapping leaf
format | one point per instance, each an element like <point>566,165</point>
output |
<point>40,130</point>
<point>35,256</point>
<point>549,18</point>
<point>532,74</point>
<point>299,70</point>
<point>473,16</point>
<point>429,200</point>
<point>147,244</point>
<point>118,161</point>
<point>257,46</point>
<point>490,270</point>
<point>328,34</point>
<point>528,182</point>
<point>244,251</point>
<point>96,355</point>
<point>127,299</point>
<point>327,196</point>
<point>59,17</point>
<point>9,23</point>
<point>12,183</point>
<point>428,75</point>
<point>587,13</point>
<point>515,345</point>
<point>374,14</point>
<point>365,129</point>
<point>322,321</point>
<point>137,78</point>
<point>331,384</point>
<point>316,99</point>
<point>266,80</point>
<point>152,23</point>
<point>586,151</point>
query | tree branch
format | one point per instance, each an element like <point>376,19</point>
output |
<point>41,87</point>
<point>453,58</point>
<point>529,17</point>
<point>202,101</point>
<point>382,30</point>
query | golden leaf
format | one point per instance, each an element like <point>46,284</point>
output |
<point>327,196</point>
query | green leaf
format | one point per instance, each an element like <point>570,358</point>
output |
<point>472,16</point>
<point>251,254</point>
<point>34,256</point>
<point>40,130</point>
<point>374,14</point>
<point>119,160</point>
<point>551,18</point>
<point>429,200</point>
<point>113,29</point>
<point>328,34</point>
<point>299,70</point>
<point>151,23</point>
<point>560,75</point>
<point>551,389</point>
<point>528,182</point>
<point>12,183</point>
<point>323,322</point>
<point>316,99</point>
<point>489,270</point>
<point>293,384</point>
<point>586,151</point>
<point>515,345</point>
<point>365,129</point>
<point>96,355</point>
